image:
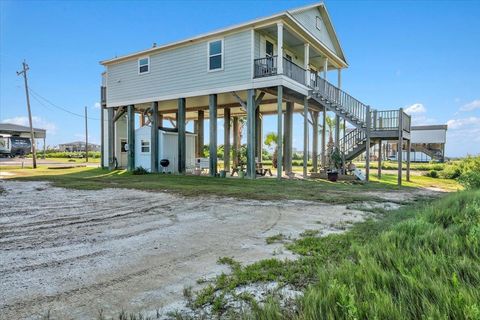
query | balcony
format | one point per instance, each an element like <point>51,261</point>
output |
<point>266,67</point>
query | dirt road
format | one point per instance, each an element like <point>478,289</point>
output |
<point>76,252</point>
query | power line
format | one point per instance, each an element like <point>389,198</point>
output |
<point>37,97</point>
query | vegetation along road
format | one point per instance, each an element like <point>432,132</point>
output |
<point>88,243</point>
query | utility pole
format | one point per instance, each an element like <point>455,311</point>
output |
<point>32,134</point>
<point>86,136</point>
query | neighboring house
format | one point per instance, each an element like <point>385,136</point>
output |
<point>78,146</point>
<point>275,65</point>
<point>428,143</point>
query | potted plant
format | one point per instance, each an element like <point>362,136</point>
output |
<point>335,163</point>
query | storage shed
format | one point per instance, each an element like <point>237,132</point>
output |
<point>167,148</point>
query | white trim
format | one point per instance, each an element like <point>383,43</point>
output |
<point>148,65</point>
<point>222,54</point>
<point>252,54</point>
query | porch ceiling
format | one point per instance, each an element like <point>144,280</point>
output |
<point>168,108</point>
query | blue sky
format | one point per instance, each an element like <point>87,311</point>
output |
<point>424,56</point>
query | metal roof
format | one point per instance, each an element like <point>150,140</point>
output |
<point>15,129</point>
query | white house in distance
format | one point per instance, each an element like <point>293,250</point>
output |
<point>275,65</point>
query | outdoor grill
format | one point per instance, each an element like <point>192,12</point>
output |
<point>164,163</point>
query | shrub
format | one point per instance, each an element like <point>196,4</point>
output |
<point>431,174</point>
<point>140,170</point>
<point>470,180</point>
<point>451,171</point>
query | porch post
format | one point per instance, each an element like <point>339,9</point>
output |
<point>325,68</point>
<point>102,139</point>
<point>212,110</point>
<point>306,55</point>
<point>367,145</point>
<point>235,141</point>
<point>315,141</point>
<point>288,137</point>
<point>258,134</point>
<point>182,147</point>
<point>131,137</point>
<point>251,172</point>
<point>111,139</point>
<point>200,133</point>
<point>324,133</point>
<point>279,131</point>
<point>280,48</point>
<point>226,139</point>
<point>379,169</point>
<point>154,139</point>
<point>305,136</point>
<point>400,146</point>
<point>408,159</point>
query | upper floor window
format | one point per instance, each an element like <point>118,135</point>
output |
<point>318,23</point>
<point>215,55</point>
<point>144,65</point>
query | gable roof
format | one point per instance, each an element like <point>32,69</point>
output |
<point>284,14</point>
<point>328,22</point>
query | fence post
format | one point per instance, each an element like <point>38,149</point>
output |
<point>367,145</point>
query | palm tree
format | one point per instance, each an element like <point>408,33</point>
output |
<point>271,142</point>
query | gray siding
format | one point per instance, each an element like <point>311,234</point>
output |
<point>256,48</point>
<point>181,70</point>
<point>308,19</point>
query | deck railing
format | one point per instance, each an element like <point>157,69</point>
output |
<point>385,120</point>
<point>351,105</point>
<point>293,71</point>
<point>265,67</point>
<point>406,121</point>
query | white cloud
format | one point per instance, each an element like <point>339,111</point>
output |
<point>97,105</point>
<point>418,113</point>
<point>415,109</point>
<point>38,122</point>
<point>475,104</point>
<point>464,123</point>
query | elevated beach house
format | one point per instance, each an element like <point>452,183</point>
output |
<point>277,65</point>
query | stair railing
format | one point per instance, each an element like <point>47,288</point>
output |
<point>352,140</point>
<point>341,99</point>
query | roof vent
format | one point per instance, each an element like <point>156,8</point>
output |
<point>154,45</point>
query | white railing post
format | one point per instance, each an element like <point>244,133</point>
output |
<point>306,63</point>
<point>280,48</point>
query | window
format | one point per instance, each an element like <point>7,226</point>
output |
<point>318,23</point>
<point>215,55</point>
<point>269,48</point>
<point>123,145</point>
<point>145,146</point>
<point>144,65</point>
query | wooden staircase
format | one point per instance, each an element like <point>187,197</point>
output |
<point>369,123</point>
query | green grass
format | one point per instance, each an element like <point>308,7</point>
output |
<point>260,189</point>
<point>419,262</point>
